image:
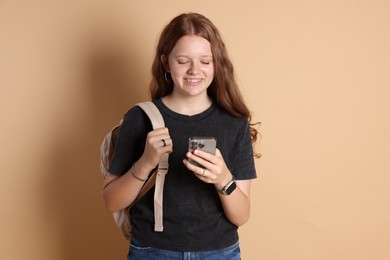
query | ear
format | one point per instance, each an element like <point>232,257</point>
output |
<point>164,61</point>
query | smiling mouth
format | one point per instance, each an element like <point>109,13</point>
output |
<point>193,80</point>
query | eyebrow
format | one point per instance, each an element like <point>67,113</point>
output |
<point>185,56</point>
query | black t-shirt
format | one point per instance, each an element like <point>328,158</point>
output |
<point>193,219</point>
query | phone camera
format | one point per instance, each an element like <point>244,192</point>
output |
<point>196,145</point>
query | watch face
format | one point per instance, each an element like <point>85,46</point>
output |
<point>231,188</point>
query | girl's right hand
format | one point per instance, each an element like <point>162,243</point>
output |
<point>157,143</point>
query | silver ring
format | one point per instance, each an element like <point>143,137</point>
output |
<point>204,172</point>
<point>164,143</point>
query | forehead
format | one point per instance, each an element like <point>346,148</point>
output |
<point>191,45</point>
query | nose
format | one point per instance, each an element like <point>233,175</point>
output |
<point>193,69</point>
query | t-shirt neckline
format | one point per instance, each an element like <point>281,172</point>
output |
<point>160,104</point>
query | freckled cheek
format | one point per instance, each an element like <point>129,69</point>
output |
<point>179,72</point>
<point>209,72</point>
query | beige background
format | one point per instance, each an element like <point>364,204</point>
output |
<point>315,73</point>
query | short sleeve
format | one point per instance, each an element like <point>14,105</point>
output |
<point>131,141</point>
<point>244,165</point>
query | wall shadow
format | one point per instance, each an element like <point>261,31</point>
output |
<point>73,192</point>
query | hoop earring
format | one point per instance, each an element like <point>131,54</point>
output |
<point>166,76</point>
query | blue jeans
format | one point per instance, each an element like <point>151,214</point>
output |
<point>138,251</point>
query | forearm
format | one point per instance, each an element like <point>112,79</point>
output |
<point>120,192</point>
<point>237,205</point>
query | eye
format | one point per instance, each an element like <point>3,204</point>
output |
<point>182,61</point>
<point>206,62</point>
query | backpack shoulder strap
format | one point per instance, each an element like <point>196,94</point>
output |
<point>153,113</point>
<point>158,177</point>
<point>157,122</point>
<point>108,144</point>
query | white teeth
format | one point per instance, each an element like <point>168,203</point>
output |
<point>193,80</point>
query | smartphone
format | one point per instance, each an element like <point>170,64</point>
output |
<point>206,144</point>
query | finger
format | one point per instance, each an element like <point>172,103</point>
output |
<point>158,132</point>
<point>199,171</point>
<point>164,142</point>
<point>203,173</point>
<point>160,140</point>
<point>199,160</point>
<point>206,156</point>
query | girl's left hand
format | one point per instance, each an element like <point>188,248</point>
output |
<point>215,170</point>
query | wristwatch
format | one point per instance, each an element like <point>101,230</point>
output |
<point>229,188</point>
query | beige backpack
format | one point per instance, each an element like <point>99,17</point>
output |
<point>122,217</point>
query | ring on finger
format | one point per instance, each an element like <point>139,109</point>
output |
<point>204,172</point>
<point>164,143</point>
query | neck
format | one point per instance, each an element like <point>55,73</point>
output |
<point>187,106</point>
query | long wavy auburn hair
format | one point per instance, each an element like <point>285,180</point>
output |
<point>224,89</point>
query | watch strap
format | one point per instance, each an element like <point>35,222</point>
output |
<point>228,188</point>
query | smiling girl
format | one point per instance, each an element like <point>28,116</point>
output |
<point>194,88</point>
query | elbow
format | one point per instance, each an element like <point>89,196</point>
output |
<point>240,219</point>
<point>112,203</point>
<point>240,222</point>
<point>109,202</point>
<point>111,207</point>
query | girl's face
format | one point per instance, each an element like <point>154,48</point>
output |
<point>191,66</point>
